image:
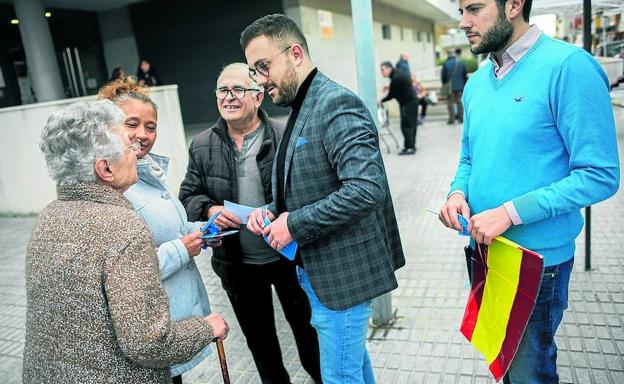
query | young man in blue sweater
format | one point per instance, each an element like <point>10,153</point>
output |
<point>534,152</point>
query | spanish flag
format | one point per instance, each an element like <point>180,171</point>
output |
<point>505,280</point>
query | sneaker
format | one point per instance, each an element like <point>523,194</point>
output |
<point>407,151</point>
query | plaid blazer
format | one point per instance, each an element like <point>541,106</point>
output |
<point>337,194</point>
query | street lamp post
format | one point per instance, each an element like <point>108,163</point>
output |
<point>587,12</point>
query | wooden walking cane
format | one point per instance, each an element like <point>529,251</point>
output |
<point>224,369</point>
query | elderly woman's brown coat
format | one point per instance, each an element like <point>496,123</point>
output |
<point>96,311</point>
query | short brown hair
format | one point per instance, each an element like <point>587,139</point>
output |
<point>526,10</point>
<point>277,28</point>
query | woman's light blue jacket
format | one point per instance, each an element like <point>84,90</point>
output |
<point>166,218</point>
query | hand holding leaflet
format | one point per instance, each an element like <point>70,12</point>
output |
<point>209,225</point>
<point>290,250</point>
<point>462,221</point>
<point>212,233</point>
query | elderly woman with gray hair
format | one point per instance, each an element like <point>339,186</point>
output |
<point>177,241</point>
<point>96,311</point>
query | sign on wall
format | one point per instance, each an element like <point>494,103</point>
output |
<point>326,24</point>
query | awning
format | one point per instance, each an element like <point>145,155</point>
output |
<point>573,7</point>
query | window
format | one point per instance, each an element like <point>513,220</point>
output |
<point>401,33</point>
<point>417,36</point>
<point>428,37</point>
<point>386,33</point>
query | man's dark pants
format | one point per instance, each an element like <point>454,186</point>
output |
<point>253,306</point>
<point>452,100</point>
<point>409,123</point>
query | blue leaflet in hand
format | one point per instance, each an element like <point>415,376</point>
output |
<point>209,226</point>
<point>217,236</point>
<point>210,230</point>
<point>464,225</point>
<point>288,251</point>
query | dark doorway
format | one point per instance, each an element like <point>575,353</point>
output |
<point>189,42</point>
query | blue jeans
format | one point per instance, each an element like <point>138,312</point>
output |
<point>536,359</point>
<point>342,339</point>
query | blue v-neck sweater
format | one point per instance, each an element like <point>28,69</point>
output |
<point>544,138</point>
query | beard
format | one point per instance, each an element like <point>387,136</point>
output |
<point>496,37</point>
<point>287,89</point>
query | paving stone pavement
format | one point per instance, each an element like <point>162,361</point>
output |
<point>425,345</point>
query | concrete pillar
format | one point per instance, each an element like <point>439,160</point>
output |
<point>39,50</point>
<point>120,47</point>
<point>362,13</point>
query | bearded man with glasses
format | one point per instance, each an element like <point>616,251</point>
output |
<point>331,195</point>
<point>232,160</point>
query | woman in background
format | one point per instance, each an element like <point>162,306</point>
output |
<point>146,75</point>
<point>117,74</point>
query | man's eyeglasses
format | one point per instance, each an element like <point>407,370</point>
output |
<point>263,66</point>
<point>236,92</point>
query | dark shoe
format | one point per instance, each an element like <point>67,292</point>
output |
<point>407,151</point>
<point>450,122</point>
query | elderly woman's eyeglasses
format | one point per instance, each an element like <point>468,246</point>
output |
<point>135,145</point>
<point>236,92</point>
<point>263,66</point>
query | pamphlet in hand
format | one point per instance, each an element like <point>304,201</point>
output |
<point>241,211</point>
<point>462,221</point>
<point>290,250</point>
<point>212,233</point>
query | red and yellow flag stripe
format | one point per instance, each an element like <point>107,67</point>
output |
<point>505,283</point>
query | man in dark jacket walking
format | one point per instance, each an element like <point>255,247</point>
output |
<point>402,90</point>
<point>454,71</point>
<point>233,161</point>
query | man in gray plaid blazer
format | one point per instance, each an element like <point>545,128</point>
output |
<point>330,194</point>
